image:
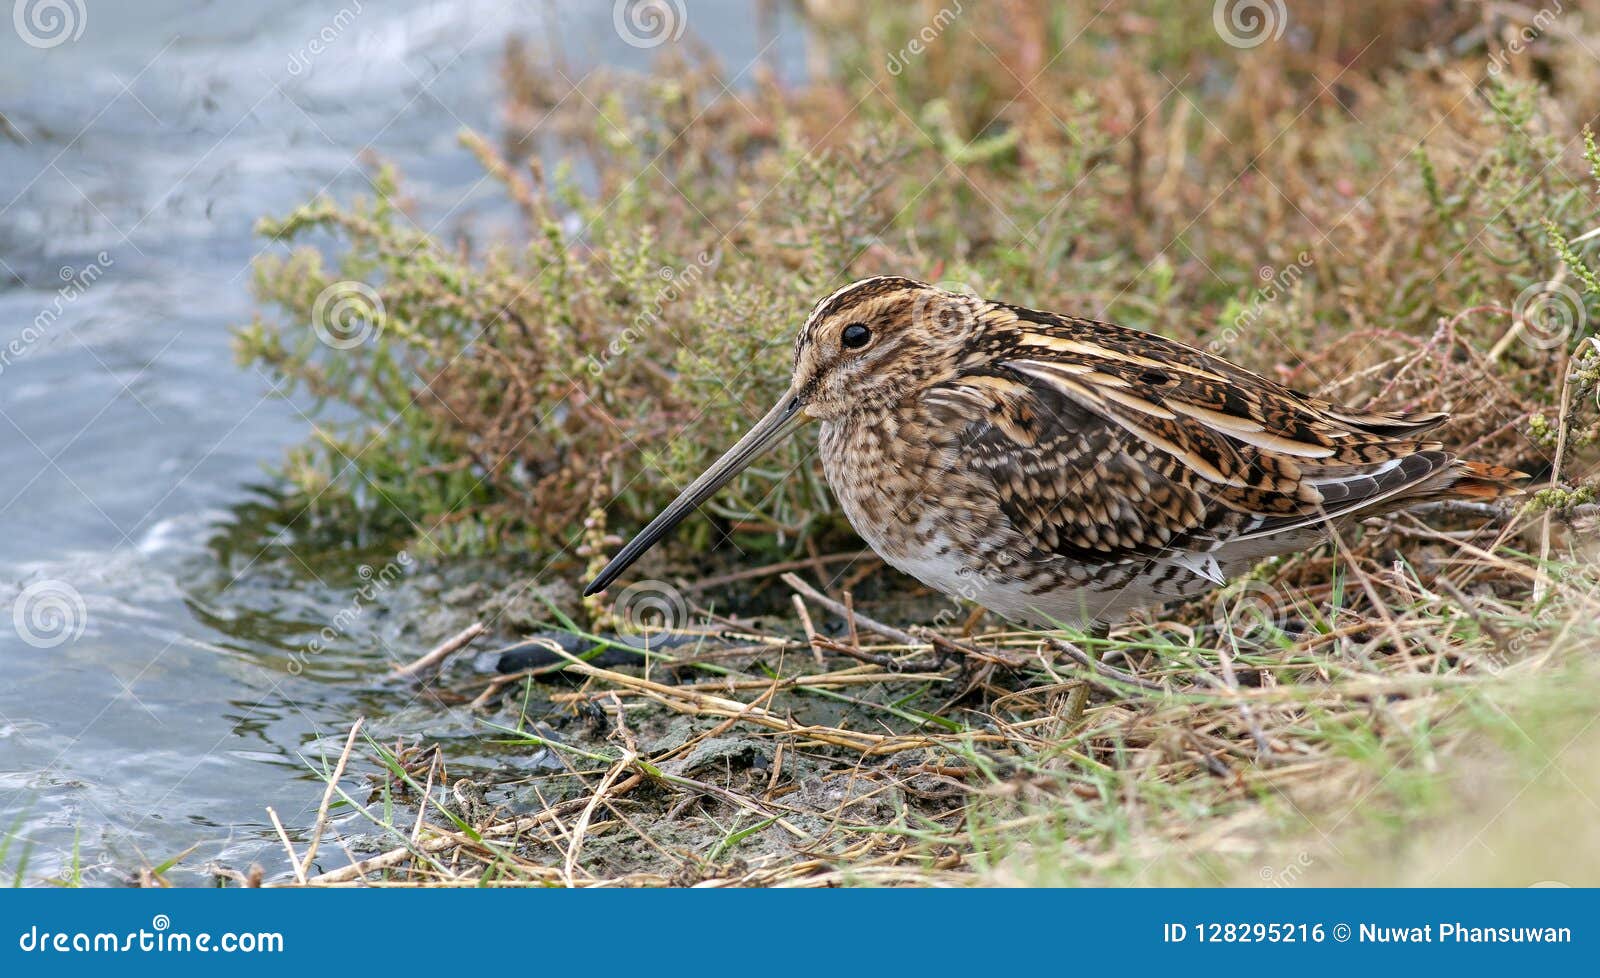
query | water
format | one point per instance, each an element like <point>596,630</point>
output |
<point>146,704</point>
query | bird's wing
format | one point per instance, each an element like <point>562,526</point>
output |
<point>1103,443</point>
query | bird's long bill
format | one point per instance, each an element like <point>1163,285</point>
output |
<point>778,424</point>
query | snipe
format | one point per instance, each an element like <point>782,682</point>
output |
<point>1058,470</point>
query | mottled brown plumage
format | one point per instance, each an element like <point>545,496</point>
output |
<point>1061,470</point>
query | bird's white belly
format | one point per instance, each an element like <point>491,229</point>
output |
<point>939,565</point>
<point>1020,597</point>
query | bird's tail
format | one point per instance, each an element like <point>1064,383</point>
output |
<point>1476,480</point>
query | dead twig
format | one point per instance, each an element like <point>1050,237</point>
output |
<point>327,799</point>
<point>900,636</point>
<point>888,662</point>
<point>283,836</point>
<point>582,827</point>
<point>442,651</point>
<point>1102,670</point>
<point>810,630</point>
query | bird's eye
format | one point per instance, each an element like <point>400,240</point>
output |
<point>855,336</point>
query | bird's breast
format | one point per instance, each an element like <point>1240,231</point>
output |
<point>895,484</point>
<point>906,491</point>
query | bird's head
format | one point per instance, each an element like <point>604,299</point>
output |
<point>869,345</point>
<point>876,342</point>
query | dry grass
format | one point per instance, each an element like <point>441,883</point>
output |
<point>1189,750</point>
